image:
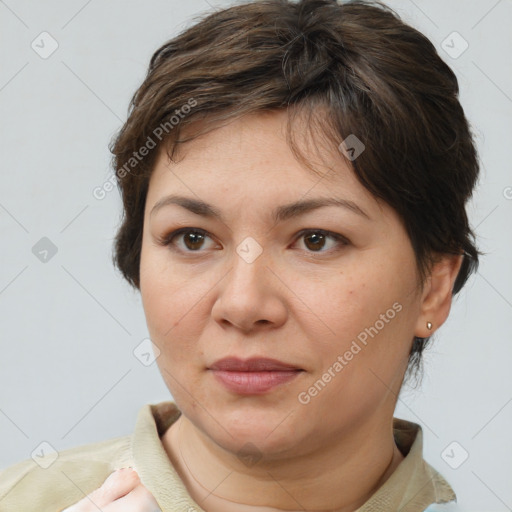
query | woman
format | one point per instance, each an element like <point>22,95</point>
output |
<point>294,180</point>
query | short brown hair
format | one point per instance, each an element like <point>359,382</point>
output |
<point>355,69</point>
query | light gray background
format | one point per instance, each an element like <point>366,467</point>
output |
<point>68,375</point>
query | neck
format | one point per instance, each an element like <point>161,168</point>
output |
<point>340,477</point>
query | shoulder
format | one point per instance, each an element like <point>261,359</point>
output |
<point>57,480</point>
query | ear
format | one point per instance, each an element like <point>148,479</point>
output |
<point>437,294</point>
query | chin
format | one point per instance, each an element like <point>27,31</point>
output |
<point>247,425</point>
<point>252,444</point>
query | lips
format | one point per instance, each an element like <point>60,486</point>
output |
<point>253,376</point>
<point>255,364</point>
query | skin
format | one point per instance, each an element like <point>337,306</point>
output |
<point>120,492</point>
<point>292,303</point>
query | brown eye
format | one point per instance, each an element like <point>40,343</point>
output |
<point>193,240</point>
<point>316,240</point>
<point>187,240</point>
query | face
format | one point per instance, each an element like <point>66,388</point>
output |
<point>331,291</point>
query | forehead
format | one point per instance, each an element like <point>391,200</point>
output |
<point>255,147</point>
<point>246,171</point>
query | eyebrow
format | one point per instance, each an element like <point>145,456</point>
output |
<point>280,214</point>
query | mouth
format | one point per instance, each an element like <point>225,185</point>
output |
<point>254,364</point>
<point>253,376</point>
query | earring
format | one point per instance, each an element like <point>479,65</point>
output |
<point>429,326</point>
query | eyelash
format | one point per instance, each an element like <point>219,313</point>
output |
<point>168,239</point>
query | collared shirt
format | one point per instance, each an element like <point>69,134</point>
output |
<point>49,485</point>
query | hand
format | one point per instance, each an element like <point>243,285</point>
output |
<point>122,491</point>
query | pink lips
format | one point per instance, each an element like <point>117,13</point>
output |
<point>253,376</point>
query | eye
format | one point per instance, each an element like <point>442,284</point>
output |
<point>193,239</point>
<point>316,239</point>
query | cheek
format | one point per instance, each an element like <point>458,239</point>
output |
<point>364,311</point>
<point>343,303</point>
<point>172,315</point>
<point>170,306</point>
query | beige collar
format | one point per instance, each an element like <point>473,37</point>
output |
<point>411,488</point>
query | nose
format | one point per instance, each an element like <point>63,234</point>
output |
<point>250,296</point>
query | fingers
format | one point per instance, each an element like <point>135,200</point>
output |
<point>122,491</point>
<point>118,484</point>
<point>137,500</point>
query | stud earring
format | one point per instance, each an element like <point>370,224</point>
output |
<point>429,326</point>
